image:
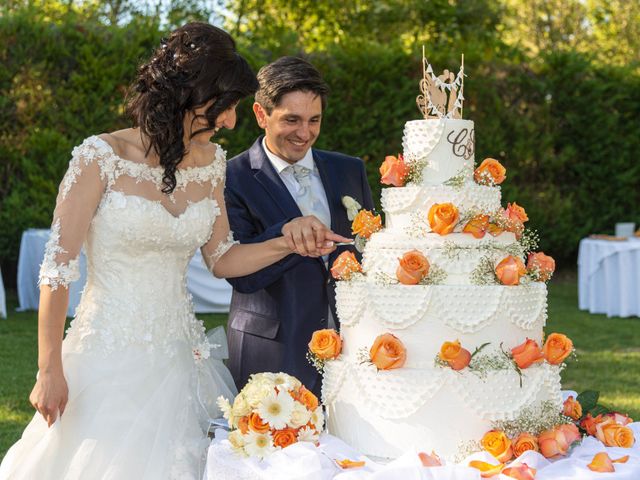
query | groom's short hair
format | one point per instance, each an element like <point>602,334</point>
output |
<point>286,75</point>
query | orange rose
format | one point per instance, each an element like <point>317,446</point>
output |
<point>614,435</point>
<point>413,267</point>
<point>243,424</point>
<point>571,433</point>
<point>456,356</point>
<point>520,471</point>
<point>427,460</point>
<point>588,423</point>
<point>345,265</point>
<point>306,397</point>
<point>572,408</point>
<point>490,172</point>
<point>477,226</point>
<point>509,270</point>
<point>443,218</point>
<point>256,424</point>
<point>487,470</point>
<point>601,463</point>
<point>557,348</point>
<point>393,171</point>
<point>553,443</point>
<point>366,223</point>
<point>388,352</point>
<point>285,437</point>
<point>543,264</point>
<point>525,442</point>
<point>497,444</point>
<point>325,344</point>
<point>527,354</point>
<point>515,212</point>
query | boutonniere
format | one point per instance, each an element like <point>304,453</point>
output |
<point>364,222</point>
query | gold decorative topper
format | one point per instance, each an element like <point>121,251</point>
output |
<point>442,95</point>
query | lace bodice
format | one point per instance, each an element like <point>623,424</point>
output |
<point>138,243</point>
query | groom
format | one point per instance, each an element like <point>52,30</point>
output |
<point>281,178</point>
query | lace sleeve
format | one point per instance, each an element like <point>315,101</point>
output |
<point>221,239</point>
<point>78,197</point>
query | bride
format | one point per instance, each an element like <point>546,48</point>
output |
<point>126,394</point>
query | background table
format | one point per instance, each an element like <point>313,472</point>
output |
<point>210,294</point>
<point>3,299</point>
<point>609,277</point>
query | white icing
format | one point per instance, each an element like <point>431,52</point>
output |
<point>431,141</point>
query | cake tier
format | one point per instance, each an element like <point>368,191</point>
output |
<point>423,317</point>
<point>446,146</point>
<point>402,205</point>
<point>387,413</point>
<point>457,254</point>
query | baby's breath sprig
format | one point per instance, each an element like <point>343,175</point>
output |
<point>416,167</point>
<point>317,362</point>
<point>440,363</point>
<point>383,278</point>
<point>465,449</point>
<point>458,180</point>
<point>529,241</point>
<point>484,273</point>
<point>534,419</point>
<point>363,356</point>
<point>418,226</point>
<point>436,276</point>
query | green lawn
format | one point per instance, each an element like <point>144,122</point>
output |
<point>608,357</point>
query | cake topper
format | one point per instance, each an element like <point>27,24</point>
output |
<point>442,95</point>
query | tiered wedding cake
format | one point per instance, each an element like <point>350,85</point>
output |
<point>476,295</point>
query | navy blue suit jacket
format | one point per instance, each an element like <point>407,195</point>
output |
<point>275,311</point>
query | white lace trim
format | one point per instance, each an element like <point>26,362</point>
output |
<point>57,274</point>
<point>222,248</point>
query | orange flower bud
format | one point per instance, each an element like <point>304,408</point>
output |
<point>325,344</point>
<point>388,352</point>
<point>456,356</point>
<point>556,348</point>
<point>413,267</point>
<point>443,218</point>
<point>527,353</point>
<point>497,444</point>
<point>366,223</point>
<point>490,171</point>
<point>393,171</point>
<point>510,270</point>
<point>524,442</point>
<point>345,265</point>
<point>572,408</point>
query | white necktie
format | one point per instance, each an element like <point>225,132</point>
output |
<point>308,203</point>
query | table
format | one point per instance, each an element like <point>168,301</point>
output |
<point>210,294</point>
<point>3,299</point>
<point>609,277</point>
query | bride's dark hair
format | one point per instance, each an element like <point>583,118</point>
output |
<point>195,64</point>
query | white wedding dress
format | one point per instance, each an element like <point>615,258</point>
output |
<point>141,374</point>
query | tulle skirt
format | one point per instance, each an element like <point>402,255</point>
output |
<point>133,414</point>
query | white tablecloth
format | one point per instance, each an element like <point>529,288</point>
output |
<point>609,277</point>
<point>3,299</point>
<point>210,294</point>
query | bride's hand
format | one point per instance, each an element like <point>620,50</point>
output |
<point>50,395</point>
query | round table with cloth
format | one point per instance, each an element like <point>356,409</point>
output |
<point>210,294</point>
<point>3,299</point>
<point>609,276</point>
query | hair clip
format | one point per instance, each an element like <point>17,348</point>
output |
<point>192,46</point>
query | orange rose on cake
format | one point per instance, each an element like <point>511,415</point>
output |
<point>453,354</point>
<point>490,172</point>
<point>394,171</point>
<point>388,352</point>
<point>509,270</point>
<point>443,218</point>
<point>541,265</point>
<point>516,213</point>
<point>527,353</point>
<point>345,265</point>
<point>413,267</point>
<point>497,444</point>
<point>366,224</point>
<point>556,348</point>
<point>477,226</point>
<point>325,344</point>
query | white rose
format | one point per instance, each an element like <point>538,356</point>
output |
<point>300,416</point>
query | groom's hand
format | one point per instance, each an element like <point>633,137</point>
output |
<point>309,237</point>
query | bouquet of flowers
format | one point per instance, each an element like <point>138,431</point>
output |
<point>271,412</point>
